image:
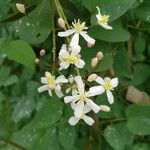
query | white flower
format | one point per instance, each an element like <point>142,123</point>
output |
<point>73,86</point>
<point>20,8</point>
<point>50,83</point>
<point>70,57</point>
<point>106,85</point>
<point>82,98</point>
<point>77,29</point>
<point>103,20</point>
<point>74,120</point>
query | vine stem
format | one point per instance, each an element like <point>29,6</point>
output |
<point>12,143</point>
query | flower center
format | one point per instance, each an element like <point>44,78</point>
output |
<point>104,19</point>
<point>107,85</point>
<point>50,82</point>
<point>82,96</point>
<point>72,59</point>
<point>78,26</point>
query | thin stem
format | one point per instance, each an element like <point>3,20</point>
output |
<point>13,143</point>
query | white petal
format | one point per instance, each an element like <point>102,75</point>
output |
<point>79,109</point>
<point>69,99</point>
<point>63,54</point>
<point>74,92</point>
<point>76,50</point>
<point>20,8</point>
<point>86,108</point>
<point>87,38</point>
<point>68,90</point>
<point>80,63</point>
<point>98,16</point>
<point>99,80</point>
<point>64,65</point>
<point>106,26</point>
<point>43,88</point>
<point>98,9</point>
<point>59,93</point>
<point>93,106</point>
<point>114,82</point>
<point>73,105</point>
<point>73,120</point>
<point>61,79</point>
<point>88,120</point>
<point>95,90</point>
<point>65,33</point>
<point>64,47</point>
<point>44,80</point>
<point>80,84</point>
<point>110,96</point>
<point>75,41</point>
<point>50,92</point>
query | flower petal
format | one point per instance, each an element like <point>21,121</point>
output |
<point>114,82</point>
<point>93,106</point>
<point>64,47</point>
<point>110,96</point>
<point>69,99</point>
<point>87,38</point>
<point>43,88</point>
<point>88,120</point>
<point>86,108</point>
<point>95,90</point>
<point>99,80</point>
<point>61,79</point>
<point>79,109</point>
<point>64,65</point>
<point>106,26</point>
<point>75,41</point>
<point>59,93</point>
<point>80,84</point>
<point>50,92</point>
<point>63,54</point>
<point>44,80</point>
<point>66,33</point>
<point>73,120</point>
<point>80,63</point>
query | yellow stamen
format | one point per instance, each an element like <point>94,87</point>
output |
<point>50,81</point>
<point>82,96</point>
<point>104,19</point>
<point>107,85</point>
<point>72,59</point>
<point>78,26</point>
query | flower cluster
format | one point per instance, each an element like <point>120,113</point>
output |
<point>79,94</point>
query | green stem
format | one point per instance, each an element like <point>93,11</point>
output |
<point>12,143</point>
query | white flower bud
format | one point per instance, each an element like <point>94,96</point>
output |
<point>20,8</point>
<point>36,61</point>
<point>89,45</point>
<point>99,55</point>
<point>42,52</point>
<point>104,108</point>
<point>92,77</point>
<point>61,23</point>
<point>94,61</point>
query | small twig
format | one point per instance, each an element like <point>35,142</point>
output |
<point>12,143</point>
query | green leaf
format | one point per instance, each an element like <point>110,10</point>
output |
<point>37,24</point>
<point>138,119</point>
<point>19,51</point>
<point>113,8</point>
<point>66,132</point>
<point>142,12</point>
<point>117,34</point>
<point>141,74</point>
<point>118,136</point>
<point>122,63</point>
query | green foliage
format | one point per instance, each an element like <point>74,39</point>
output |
<point>39,122</point>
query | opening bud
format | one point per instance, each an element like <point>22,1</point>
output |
<point>42,52</point>
<point>36,61</point>
<point>92,77</point>
<point>104,108</point>
<point>99,55</point>
<point>21,8</point>
<point>61,23</point>
<point>94,61</point>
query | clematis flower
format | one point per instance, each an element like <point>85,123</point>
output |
<point>82,98</point>
<point>72,86</point>
<point>77,29</point>
<point>106,85</point>
<point>70,56</point>
<point>74,120</point>
<point>50,83</point>
<point>103,20</point>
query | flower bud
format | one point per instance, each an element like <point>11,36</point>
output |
<point>104,108</point>
<point>36,61</point>
<point>42,52</point>
<point>94,61</point>
<point>99,55</point>
<point>89,45</point>
<point>20,8</point>
<point>92,77</point>
<point>61,23</point>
